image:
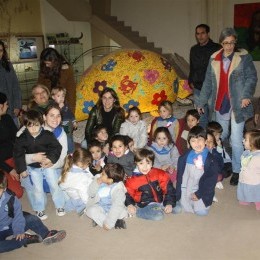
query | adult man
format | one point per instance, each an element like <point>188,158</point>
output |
<point>199,58</point>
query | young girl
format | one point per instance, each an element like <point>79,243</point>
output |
<point>121,154</point>
<point>249,178</point>
<point>192,118</point>
<point>197,174</point>
<point>166,153</point>
<point>108,193</point>
<point>98,156</point>
<point>75,180</point>
<point>165,119</point>
<point>135,128</point>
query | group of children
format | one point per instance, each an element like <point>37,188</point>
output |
<point>175,169</point>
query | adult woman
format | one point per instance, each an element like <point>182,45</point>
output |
<point>9,84</point>
<point>56,72</point>
<point>106,112</point>
<point>7,138</point>
<point>40,98</point>
<point>52,120</point>
<point>228,89</point>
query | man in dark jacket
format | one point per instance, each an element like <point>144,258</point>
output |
<point>199,59</point>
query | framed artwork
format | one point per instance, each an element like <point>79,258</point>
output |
<point>29,48</point>
<point>247,26</point>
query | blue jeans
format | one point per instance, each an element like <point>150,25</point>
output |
<point>236,140</point>
<point>178,209</point>
<point>71,145</point>
<point>38,192</point>
<point>31,222</point>
<point>204,118</point>
<point>153,211</point>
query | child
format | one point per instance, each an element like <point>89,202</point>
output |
<point>14,222</point>
<point>197,174</point>
<point>165,119</point>
<point>150,193</point>
<point>100,134</point>
<point>249,178</point>
<point>108,193</point>
<point>135,128</point>
<point>211,144</point>
<point>217,130</point>
<point>166,153</point>
<point>98,156</point>
<point>192,118</point>
<point>33,140</point>
<point>75,180</point>
<point>121,154</point>
<point>130,143</point>
<point>69,123</point>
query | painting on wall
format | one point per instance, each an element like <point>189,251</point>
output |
<point>247,25</point>
<point>29,48</point>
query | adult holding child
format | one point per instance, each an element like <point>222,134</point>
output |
<point>55,71</point>
<point>228,90</point>
<point>106,112</point>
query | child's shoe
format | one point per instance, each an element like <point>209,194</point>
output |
<point>257,205</point>
<point>94,224</point>
<point>41,215</point>
<point>60,212</point>
<point>82,212</point>
<point>244,203</point>
<point>54,236</point>
<point>215,199</point>
<point>120,223</point>
<point>31,239</point>
<point>219,185</point>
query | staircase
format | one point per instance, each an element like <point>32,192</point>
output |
<point>116,30</point>
<point>127,38</point>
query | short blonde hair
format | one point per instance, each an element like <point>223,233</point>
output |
<point>167,105</point>
<point>54,91</point>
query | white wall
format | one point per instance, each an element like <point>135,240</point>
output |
<point>170,24</point>
<point>54,22</point>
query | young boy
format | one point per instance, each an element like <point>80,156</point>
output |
<point>192,118</point>
<point>217,130</point>
<point>14,222</point>
<point>35,139</point>
<point>100,134</point>
<point>69,123</point>
<point>197,173</point>
<point>121,154</point>
<point>150,192</point>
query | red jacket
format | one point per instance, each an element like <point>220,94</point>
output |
<point>155,186</point>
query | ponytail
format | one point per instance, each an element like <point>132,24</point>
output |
<point>67,166</point>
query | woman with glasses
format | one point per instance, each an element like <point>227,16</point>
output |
<point>106,112</point>
<point>228,90</point>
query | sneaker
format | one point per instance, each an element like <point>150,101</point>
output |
<point>54,236</point>
<point>219,185</point>
<point>60,212</point>
<point>215,199</point>
<point>41,215</point>
<point>94,224</point>
<point>31,239</point>
<point>120,223</point>
<point>184,101</point>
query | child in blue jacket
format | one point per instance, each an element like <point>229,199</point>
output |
<point>14,222</point>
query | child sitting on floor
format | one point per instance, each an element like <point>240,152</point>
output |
<point>150,192</point>
<point>75,180</point>
<point>14,222</point>
<point>108,193</point>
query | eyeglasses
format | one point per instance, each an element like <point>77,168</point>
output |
<point>228,43</point>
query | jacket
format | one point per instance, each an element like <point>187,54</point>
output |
<point>137,132</point>
<point>17,222</point>
<point>242,81</point>
<point>26,143</point>
<point>207,181</point>
<point>95,118</point>
<point>199,59</point>
<point>155,186</point>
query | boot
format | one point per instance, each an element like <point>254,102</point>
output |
<point>234,179</point>
<point>120,223</point>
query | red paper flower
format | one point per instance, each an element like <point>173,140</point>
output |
<point>159,97</point>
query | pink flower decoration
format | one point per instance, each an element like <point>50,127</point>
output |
<point>151,75</point>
